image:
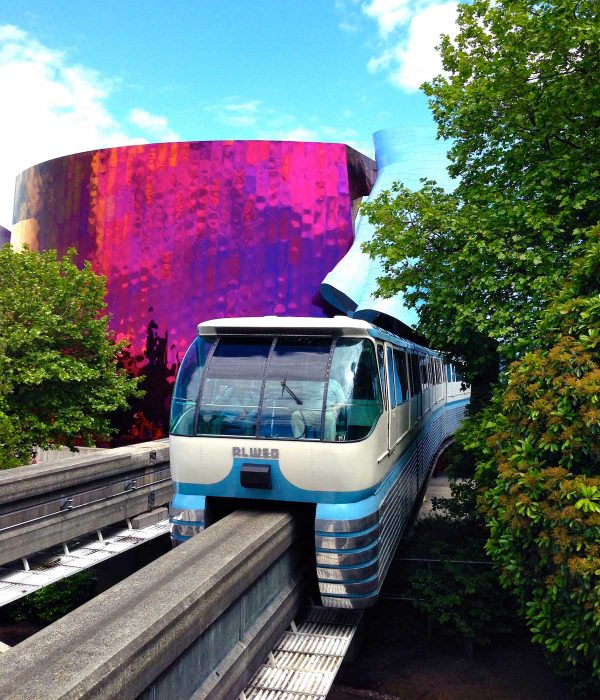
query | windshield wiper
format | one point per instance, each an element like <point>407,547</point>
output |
<point>285,387</point>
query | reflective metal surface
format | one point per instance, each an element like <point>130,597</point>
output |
<point>188,231</point>
<point>346,525</point>
<point>350,542</point>
<point>184,524</point>
<point>343,582</point>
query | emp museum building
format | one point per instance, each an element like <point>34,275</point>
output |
<point>189,231</point>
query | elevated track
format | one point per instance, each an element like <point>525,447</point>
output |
<point>46,506</point>
<point>197,622</point>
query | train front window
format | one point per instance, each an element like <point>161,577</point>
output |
<point>231,392</point>
<point>187,386</point>
<point>292,404</point>
<point>293,388</point>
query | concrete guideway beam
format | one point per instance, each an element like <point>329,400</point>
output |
<point>33,480</point>
<point>31,538</point>
<point>45,505</point>
<point>198,620</point>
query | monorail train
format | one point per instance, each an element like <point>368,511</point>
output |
<point>332,412</point>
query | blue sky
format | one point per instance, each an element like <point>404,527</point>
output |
<point>76,76</point>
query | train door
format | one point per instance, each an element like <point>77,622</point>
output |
<point>402,393</point>
<point>446,380</point>
<point>416,408</point>
<point>382,375</point>
<point>425,386</point>
<point>438,379</point>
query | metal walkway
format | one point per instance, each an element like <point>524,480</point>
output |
<point>304,662</point>
<point>61,561</point>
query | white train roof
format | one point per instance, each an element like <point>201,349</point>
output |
<point>343,325</point>
<point>251,323</point>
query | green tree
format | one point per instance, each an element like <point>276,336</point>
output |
<point>58,361</point>
<point>506,267</point>
<point>54,601</point>
<point>520,101</point>
<point>538,453</point>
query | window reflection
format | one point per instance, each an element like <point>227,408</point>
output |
<point>231,393</point>
<point>354,368</point>
<point>187,386</point>
<point>278,388</point>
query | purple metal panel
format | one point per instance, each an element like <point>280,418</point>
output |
<point>195,230</point>
<point>4,235</point>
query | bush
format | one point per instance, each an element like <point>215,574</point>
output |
<point>54,601</point>
<point>539,465</point>
<point>461,592</point>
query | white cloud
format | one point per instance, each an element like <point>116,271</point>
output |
<point>409,31</point>
<point>300,133</point>
<point>389,14</point>
<point>417,59</point>
<point>260,121</point>
<point>349,27</point>
<point>51,107</point>
<point>153,124</point>
<point>234,112</point>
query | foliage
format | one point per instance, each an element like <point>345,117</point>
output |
<point>519,99</point>
<point>52,602</point>
<point>538,450</point>
<point>461,591</point>
<point>58,366</point>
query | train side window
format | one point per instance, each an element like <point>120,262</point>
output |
<point>414,365</point>
<point>382,377</point>
<point>187,386</point>
<point>392,382</point>
<point>354,364</point>
<point>401,374</point>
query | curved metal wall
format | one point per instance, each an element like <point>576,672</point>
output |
<point>189,231</point>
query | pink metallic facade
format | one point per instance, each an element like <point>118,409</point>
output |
<point>189,231</point>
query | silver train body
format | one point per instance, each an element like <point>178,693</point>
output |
<point>333,412</point>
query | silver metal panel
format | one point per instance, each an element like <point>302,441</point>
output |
<point>180,530</point>
<point>346,525</point>
<point>348,588</point>
<point>192,523</point>
<point>347,558</point>
<point>349,604</point>
<point>348,574</point>
<point>350,542</point>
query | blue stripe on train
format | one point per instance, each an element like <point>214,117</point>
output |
<point>345,505</point>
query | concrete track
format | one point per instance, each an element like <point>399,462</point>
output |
<point>196,622</point>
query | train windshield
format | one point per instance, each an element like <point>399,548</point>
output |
<point>302,388</point>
